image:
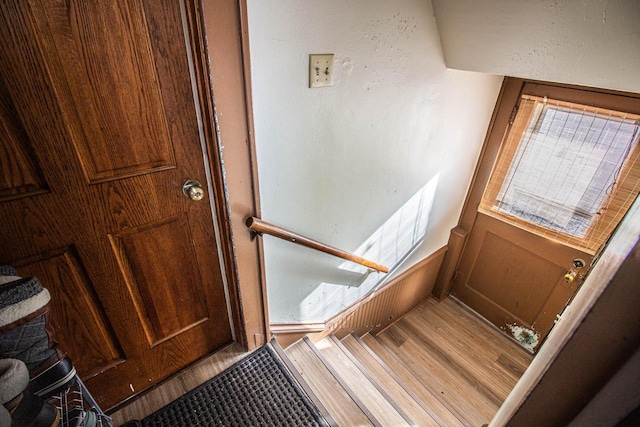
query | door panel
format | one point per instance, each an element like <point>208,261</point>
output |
<point>103,52</point>
<point>162,276</point>
<point>100,131</point>
<point>511,276</point>
<point>20,173</point>
<point>80,320</point>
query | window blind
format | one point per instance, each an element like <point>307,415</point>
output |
<point>566,171</point>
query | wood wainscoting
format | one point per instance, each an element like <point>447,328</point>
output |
<point>374,311</point>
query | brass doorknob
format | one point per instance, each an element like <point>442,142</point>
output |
<point>193,190</point>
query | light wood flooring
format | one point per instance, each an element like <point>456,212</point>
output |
<point>467,363</point>
<point>439,365</point>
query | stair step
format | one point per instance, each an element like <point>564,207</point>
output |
<point>375,399</point>
<point>450,384</point>
<point>444,411</point>
<point>302,382</point>
<point>381,386</point>
<point>309,363</point>
<point>400,393</point>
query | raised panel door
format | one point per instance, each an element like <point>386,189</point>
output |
<point>99,133</point>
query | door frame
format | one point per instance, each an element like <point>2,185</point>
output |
<point>219,29</point>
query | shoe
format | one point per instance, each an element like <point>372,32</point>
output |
<point>26,333</point>
<point>60,375</point>
<point>24,409</point>
<point>25,330</point>
<point>78,417</point>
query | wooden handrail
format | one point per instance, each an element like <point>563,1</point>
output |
<point>262,227</point>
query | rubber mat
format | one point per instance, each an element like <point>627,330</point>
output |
<point>256,391</point>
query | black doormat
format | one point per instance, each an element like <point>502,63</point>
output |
<point>256,391</point>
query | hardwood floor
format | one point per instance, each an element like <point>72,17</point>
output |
<point>449,368</point>
<point>469,365</point>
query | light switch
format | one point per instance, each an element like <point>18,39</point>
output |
<point>321,70</point>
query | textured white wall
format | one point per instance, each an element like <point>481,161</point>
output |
<point>585,42</point>
<point>336,163</point>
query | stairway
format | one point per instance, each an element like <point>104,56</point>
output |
<point>357,387</point>
<point>420,372</point>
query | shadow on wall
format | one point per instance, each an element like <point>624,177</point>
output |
<point>389,245</point>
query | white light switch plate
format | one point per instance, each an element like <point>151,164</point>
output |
<point>321,70</point>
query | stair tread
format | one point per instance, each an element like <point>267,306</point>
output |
<point>469,402</point>
<point>440,408</point>
<point>330,393</point>
<point>392,383</point>
<point>382,387</point>
<point>302,382</point>
<point>382,410</point>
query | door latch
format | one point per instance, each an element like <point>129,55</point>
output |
<point>570,275</point>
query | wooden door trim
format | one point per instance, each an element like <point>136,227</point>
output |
<point>221,31</point>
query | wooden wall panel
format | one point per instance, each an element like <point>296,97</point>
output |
<point>114,109</point>
<point>20,174</point>
<point>81,326</point>
<point>375,311</point>
<point>159,264</point>
<point>393,301</point>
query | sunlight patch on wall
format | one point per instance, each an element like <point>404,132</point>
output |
<point>389,245</point>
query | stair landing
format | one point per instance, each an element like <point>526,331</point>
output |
<point>438,366</point>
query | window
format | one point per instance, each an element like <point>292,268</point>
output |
<point>566,171</point>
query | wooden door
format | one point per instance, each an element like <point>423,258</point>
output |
<point>566,172</point>
<point>99,134</point>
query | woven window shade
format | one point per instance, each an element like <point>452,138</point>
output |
<point>566,171</point>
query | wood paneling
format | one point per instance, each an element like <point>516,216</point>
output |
<point>457,240</point>
<point>81,325</point>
